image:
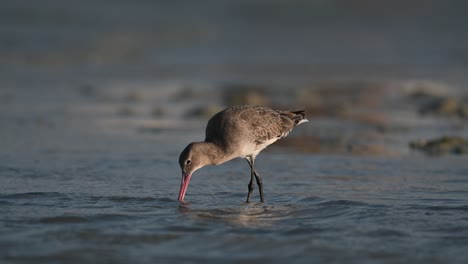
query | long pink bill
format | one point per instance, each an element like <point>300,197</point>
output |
<point>184,185</point>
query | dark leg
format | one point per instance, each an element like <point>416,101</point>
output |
<point>258,178</point>
<point>251,183</point>
<point>260,184</point>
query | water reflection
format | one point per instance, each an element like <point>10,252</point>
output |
<point>251,215</point>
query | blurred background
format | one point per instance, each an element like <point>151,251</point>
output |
<point>226,40</point>
<point>380,66</point>
<point>229,35</point>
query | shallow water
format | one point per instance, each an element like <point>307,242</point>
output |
<point>318,208</point>
<point>81,183</point>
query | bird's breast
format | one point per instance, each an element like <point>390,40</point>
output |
<point>254,148</point>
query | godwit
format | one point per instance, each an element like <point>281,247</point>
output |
<point>239,131</point>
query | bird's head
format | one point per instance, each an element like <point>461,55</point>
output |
<point>192,158</point>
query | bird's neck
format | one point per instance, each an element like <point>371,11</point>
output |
<point>215,154</point>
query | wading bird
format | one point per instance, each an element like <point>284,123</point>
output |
<point>239,131</point>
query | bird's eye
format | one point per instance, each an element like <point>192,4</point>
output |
<point>188,162</point>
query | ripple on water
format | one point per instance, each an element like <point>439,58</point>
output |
<point>311,199</point>
<point>308,210</point>
<point>126,204</point>
<point>248,215</point>
<point>34,195</point>
<point>341,203</point>
<point>305,230</point>
<point>316,209</point>
<point>181,228</point>
<point>70,219</point>
<point>60,200</point>
<point>441,208</point>
<point>95,236</point>
<point>46,199</point>
<point>384,232</point>
<point>123,199</point>
<point>63,220</point>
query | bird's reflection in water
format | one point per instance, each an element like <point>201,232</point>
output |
<point>245,215</point>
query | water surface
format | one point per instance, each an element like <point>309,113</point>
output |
<point>318,208</point>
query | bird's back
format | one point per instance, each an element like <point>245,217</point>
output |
<point>246,130</point>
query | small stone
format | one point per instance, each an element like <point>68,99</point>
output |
<point>440,146</point>
<point>133,96</point>
<point>448,106</point>
<point>158,111</point>
<point>463,110</point>
<point>126,111</point>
